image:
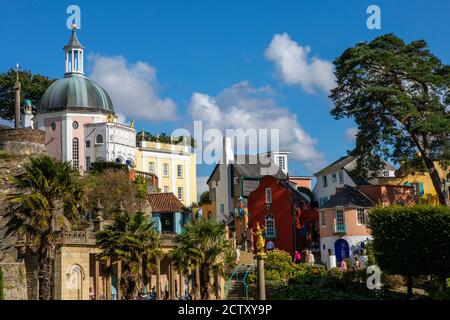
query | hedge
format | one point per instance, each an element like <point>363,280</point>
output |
<point>101,166</point>
<point>412,241</point>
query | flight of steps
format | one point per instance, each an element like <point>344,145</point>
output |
<point>237,290</point>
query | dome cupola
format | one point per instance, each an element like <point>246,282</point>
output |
<point>74,91</point>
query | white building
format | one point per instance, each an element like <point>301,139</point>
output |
<point>338,174</point>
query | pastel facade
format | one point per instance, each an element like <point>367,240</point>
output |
<point>285,213</point>
<point>72,108</point>
<point>344,218</point>
<point>423,185</point>
<point>175,166</point>
<point>338,174</point>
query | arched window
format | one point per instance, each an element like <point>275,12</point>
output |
<point>99,139</point>
<point>269,222</point>
<point>75,153</point>
<point>119,160</point>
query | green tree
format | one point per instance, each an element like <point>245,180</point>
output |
<point>112,187</point>
<point>204,197</point>
<point>412,241</point>
<point>203,244</point>
<point>132,241</point>
<point>398,95</point>
<point>33,87</point>
<point>48,200</point>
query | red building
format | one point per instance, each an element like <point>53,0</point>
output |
<point>285,213</point>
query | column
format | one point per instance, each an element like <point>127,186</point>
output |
<point>119,274</point>
<point>181,280</point>
<point>108,281</point>
<point>158,277</point>
<point>261,277</point>
<point>97,279</point>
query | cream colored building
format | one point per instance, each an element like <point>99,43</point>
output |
<point>174,165</point>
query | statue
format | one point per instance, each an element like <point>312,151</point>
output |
<point>260,242</point>
<point>110,117</point>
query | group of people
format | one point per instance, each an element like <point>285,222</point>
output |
<point>309,257</point>
<point>356,265</point>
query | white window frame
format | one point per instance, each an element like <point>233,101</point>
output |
<point>180,193</point>
<point>179,171</point>
<point>165,170</point>
<point>269,224</point>
<point>166,189</point>
<point>88,162</point>
<point>339,211</point>
<point>334,177</point>
<point>75,153</point>
<point>341,177</point>
<point>151,167</point>
<point>268,195</point>
<point>281,162</point>
<point>323,218</point>
<point>364,216</point>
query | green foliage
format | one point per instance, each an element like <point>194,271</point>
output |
<point>112,187</point>
<point>1,284</point>
<point>203,244</point>
<point>204,197</point>
<point>102,166</point>
<point>164,138</point>
<point>141,187</point>
<point>397,93</point>
<point>132,240</point>
<point>318,283</point>
<point>33,87</point>
<point>412,241</point>
<point>49,199</point>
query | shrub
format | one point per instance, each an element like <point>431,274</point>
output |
<point>412,241</point>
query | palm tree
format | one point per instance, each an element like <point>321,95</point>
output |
<point>132,241</point>
<point>47,200</point>
<point>204,246</point>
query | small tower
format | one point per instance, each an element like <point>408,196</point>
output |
<point>74,55</point>
<point>27,115</point>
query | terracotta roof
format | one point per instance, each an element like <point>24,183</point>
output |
<point>165,202</point>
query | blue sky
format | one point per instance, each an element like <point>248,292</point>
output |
<point>217,49</point>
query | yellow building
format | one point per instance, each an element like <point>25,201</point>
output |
<point>174,165</point>
<point>423,184</point>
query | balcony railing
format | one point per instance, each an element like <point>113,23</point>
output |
<point>168,239</point>
<point>339,228</point>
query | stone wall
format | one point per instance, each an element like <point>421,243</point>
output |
<point>14,280</point>
<point>16,146</point>
<point>25,141</point>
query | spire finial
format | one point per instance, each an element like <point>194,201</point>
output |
<point>73,26</point>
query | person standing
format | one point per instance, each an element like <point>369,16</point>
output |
<point>343,265</point>
<point>311,258</point>
<point>249,232</point>
<point>297,257</point>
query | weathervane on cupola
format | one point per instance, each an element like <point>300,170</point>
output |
<point>74,55</point>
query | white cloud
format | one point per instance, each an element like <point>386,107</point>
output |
<point>133,88</point>
<point>294,67</point>
<point>201,186</point>
<point>350,133</point>
<point>242,106</point>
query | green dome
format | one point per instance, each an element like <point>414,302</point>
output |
<point>75,92</point>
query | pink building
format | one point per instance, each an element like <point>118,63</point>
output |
<point>343,219</point>
<point>77,115</point>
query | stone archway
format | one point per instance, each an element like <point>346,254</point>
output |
<point>75,276</point>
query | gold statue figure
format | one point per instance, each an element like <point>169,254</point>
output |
<point>260,242</point>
